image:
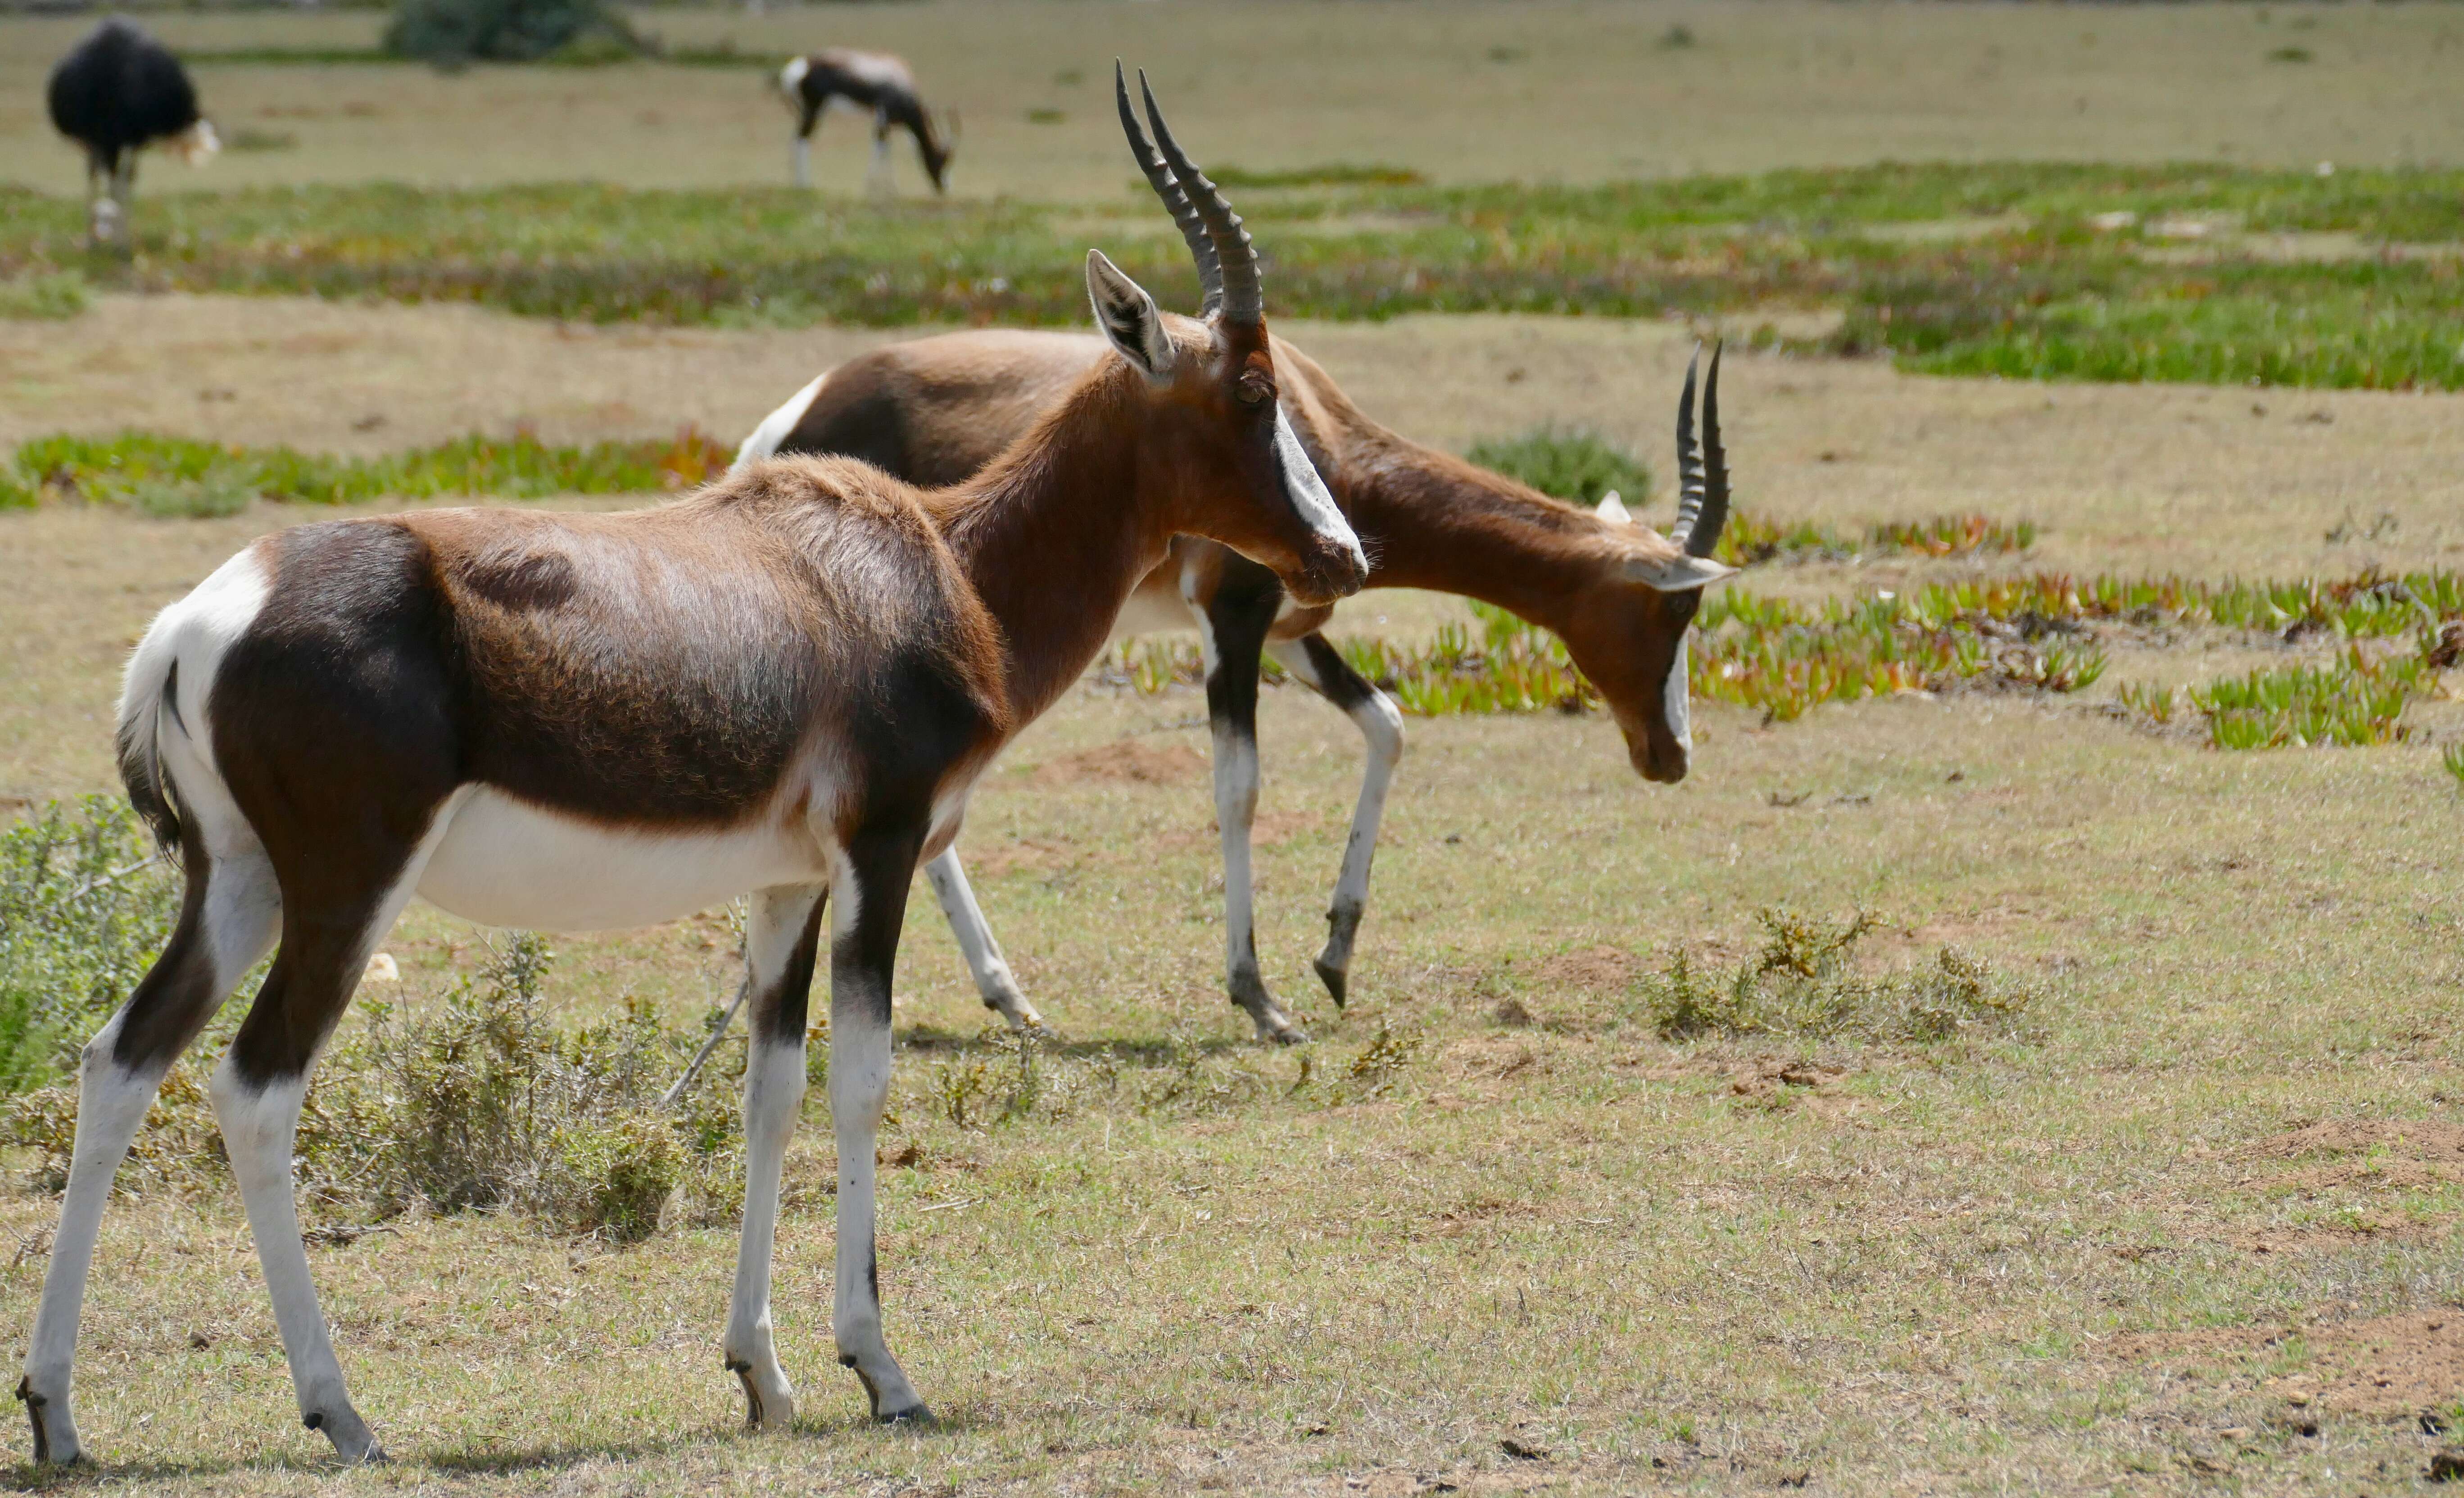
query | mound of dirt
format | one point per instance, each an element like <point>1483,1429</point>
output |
<point>1136,760</point>
<point>2400,1138</point>
<point>1593,970</point>
<point>2386,1367</point>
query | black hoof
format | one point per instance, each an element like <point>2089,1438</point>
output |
<point>1335,980</point>
<point>912,1415</point>
<point>743,1372</point>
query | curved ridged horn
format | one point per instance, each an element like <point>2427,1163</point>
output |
<point>1702,467</point>
<point>1236,260</point>
<point>1159,175</point>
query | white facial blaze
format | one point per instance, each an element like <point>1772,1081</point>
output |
<point>1308,493</point>
<point>1674,699</point>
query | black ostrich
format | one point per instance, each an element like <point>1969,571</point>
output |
<point>115,93</point>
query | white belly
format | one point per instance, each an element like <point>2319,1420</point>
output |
<point>504,862</point>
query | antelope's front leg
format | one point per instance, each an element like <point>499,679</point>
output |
<point>871,895</point>
<point>781,941</point>
<point>1233,629</point>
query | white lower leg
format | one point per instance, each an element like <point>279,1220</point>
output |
<point>1236,816</point>
<point>1381,729</point>
<point>235,926</point>
<point>801,153</point>
<point>877,175</point>
<point>773,1094</point>
<point>111,1105</point>
<point>260,1126</point>
<point>859,1092</point>
<point>993,981</point>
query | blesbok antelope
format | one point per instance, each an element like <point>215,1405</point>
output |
<point>786,684</point>
<point>1620,595</point>
<point>115,93</point>
<point>875,82</point>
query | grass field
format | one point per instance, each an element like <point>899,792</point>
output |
<point>1561,1202</point>
<point>1465,92</point>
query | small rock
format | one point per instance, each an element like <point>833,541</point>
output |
<point>200,1341</point>
<point>382,969</point>
<point>2447,1466</point>
<point>1520,1452</point>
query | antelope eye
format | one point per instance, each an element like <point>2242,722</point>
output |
<point>1254,392</point>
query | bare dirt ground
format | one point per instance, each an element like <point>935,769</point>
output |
<point>2142,481</point>
<point>1542,90</point>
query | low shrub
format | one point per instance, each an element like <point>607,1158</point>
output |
<point>452,33</point>
<point>1802,983</point>
<point>477,1102</point>
<point>85,906</point>
<point>53,295</point>
<point>1575,465</point>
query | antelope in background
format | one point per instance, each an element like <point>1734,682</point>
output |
<point>1617,593</point>
<point>786,683</point>
<point>873,81</point>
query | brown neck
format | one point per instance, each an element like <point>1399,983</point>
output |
<point>1431,520</point>
<point>1055,533</point>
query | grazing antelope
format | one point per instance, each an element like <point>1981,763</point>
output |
<point>1619,594</point>
<point>785,684</point>
<point>866,80</point>
<point>115,93</point>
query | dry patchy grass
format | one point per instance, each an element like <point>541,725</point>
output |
<point>2169,1229</point>
<point>1461,91</point>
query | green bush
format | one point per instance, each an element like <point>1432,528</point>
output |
<point>453,33</point>
<point>1574,465</point>
<point>53,295</point>
<point>83,910</point>
<point>476,1102</point>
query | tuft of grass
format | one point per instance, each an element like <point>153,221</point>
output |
<point>1802,983</point>
<point>51,296</point>
<point>2354,702</point>
<point>183,477</point>
<point>2453,759</point>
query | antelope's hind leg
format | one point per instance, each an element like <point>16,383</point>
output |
<point>780,947</point>
<point>227,921</point>
<point>995,984</point>
<point>336,911</point>
<point>1319,665</point>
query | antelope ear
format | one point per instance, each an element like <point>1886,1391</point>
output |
<point>1612,509</point>
<point>1677,574</point>
<point>1129,316</point>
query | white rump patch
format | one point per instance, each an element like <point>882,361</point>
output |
<point>765,441</point>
